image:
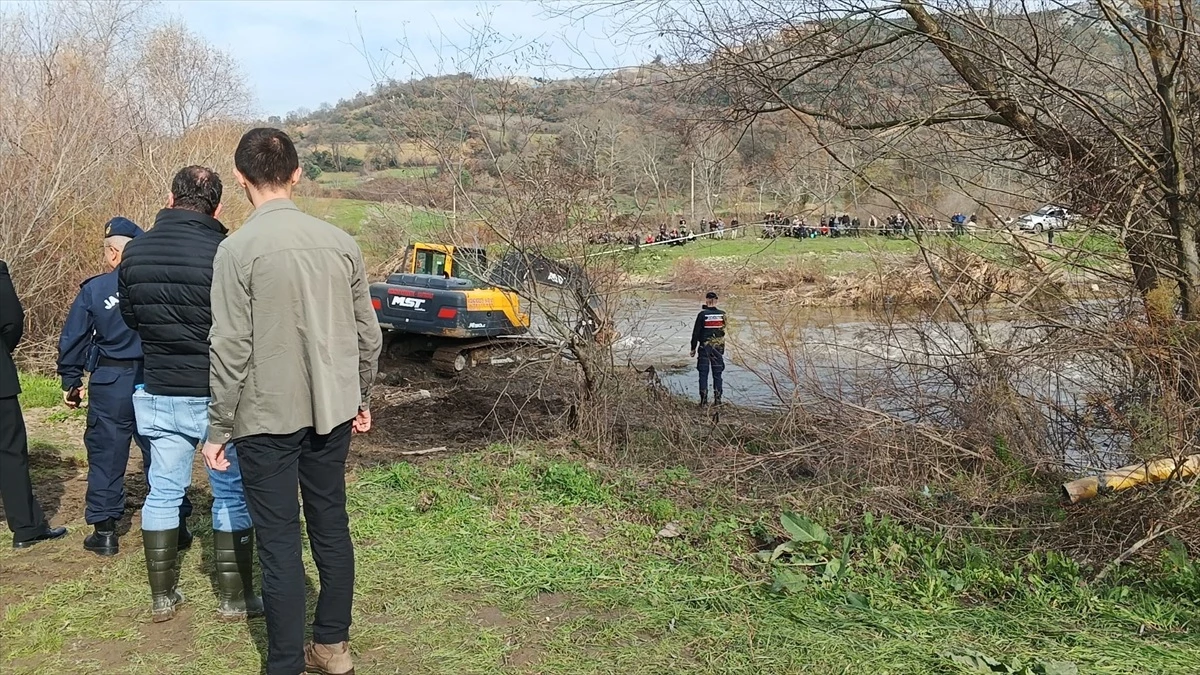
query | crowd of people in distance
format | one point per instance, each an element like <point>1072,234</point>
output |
<point>845,225</point>
<point>829,226</point>
<point>676,236</point>
<point>775,225</point>
<point>898,225</point>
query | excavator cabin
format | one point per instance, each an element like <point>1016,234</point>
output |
<point>445,260</point>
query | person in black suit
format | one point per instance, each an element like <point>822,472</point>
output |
<point>21,510</point>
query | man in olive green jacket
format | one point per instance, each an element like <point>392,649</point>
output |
<point>294,348</point>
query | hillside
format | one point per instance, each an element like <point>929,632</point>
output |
<point>660,133</point>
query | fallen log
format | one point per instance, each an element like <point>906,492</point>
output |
<point>1133,475</point>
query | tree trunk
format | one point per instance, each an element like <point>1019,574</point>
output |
<point>1141,261</point>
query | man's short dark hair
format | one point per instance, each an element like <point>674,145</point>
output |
<point>266,157</point>
<point>197,188</point>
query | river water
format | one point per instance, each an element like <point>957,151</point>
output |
<point>768,344</point>
<point>911,365</point>
<point>657,330</point>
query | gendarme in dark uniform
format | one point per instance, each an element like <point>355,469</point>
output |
<point>96,339</point>
<point>708,346</point>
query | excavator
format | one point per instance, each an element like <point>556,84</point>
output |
<point>455,304</point>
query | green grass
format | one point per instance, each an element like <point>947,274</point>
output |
<point>659,259</point>
<point>38,391</point>
<point>407,172</point>
<point>1073,250</point>
<point>349,179</point>
<point>506,561</point>
<point>357,216</point>
<point>341,179</point>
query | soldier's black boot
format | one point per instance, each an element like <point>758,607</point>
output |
<point>162,551</point>
<point>185,536</point>
<point>716,398</point>
<point>234,555</point>
<point>103,541</point>
<point>703,397</point>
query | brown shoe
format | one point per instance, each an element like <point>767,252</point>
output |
<point>328,659</point>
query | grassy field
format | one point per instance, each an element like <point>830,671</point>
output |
<point>359,217</point>
<point>534,559</point>
<point>657,261</point>
<point>1080,252</point>
<point>1074,251</point>
<point>349,179</point>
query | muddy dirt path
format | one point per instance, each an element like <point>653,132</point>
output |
<point>472,411</point>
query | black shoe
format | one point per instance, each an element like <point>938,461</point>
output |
<point>703,398</point>
<point>47,535</point>
<point>185,536</point>
<point>104,540</point>
<point>717,398</point>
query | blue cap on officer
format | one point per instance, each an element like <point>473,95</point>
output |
<point>121,227</point>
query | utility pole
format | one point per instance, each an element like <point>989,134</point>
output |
<point>693,223</point>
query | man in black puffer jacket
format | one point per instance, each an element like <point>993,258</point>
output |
<point>165,282</point>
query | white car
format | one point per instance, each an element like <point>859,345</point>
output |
<point>1046,218</point>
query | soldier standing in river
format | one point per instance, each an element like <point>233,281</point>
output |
<point>708,345</point>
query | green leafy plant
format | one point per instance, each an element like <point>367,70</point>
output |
<point>661,510</point>
<point>569,483</point>
<point>974,662</point>
<point>810,548</point>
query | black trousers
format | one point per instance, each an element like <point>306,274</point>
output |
<point>271,467</point>
<point>21,510</point>
<point>710,359</point>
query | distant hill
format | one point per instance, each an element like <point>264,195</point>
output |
<point>376,126</point>
<point>654,131</point>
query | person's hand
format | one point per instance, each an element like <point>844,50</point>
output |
<point>73,397</point>
<point>362,422</point>
<point>214,456</point>
<point>693,353</point>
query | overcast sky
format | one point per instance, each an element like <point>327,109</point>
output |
<point>302,53</point>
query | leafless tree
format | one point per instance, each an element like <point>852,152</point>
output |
<point>1092,95</point>
<point>185,82</point>
<point>77,147</point>
<point>938,106</point>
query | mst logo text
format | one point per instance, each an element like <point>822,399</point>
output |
<point>411,303</point>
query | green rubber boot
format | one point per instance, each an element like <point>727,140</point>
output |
<point>162,552</point>
<point>234,556</point>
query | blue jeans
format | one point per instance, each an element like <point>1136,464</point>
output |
<point>175,426</point>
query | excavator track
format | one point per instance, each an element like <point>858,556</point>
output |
<point>452,359</point>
